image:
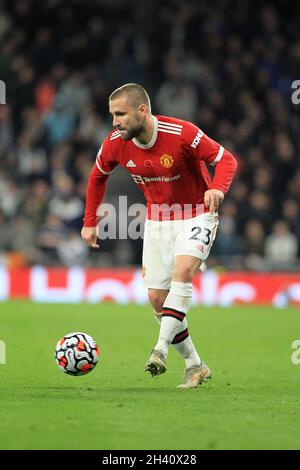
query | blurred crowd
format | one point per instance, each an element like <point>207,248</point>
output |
<point>227,66</point>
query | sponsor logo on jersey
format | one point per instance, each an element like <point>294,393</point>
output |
<point>166,160</point>
<point>197,139</point>
<point>138,179</point>
<point>130,164</point>
<point>155,179</point>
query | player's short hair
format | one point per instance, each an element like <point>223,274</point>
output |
<point>135,92</point>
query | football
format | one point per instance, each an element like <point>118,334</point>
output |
<point>77,353</point>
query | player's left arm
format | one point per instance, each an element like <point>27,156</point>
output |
<point>225,167</point>
<point>204,148</point>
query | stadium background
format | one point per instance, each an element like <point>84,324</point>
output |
<point>232,76</point>
<point>226,65</point>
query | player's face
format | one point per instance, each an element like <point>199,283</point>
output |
<point>128,119</point>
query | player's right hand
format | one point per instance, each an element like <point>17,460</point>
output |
<point>89,235</point>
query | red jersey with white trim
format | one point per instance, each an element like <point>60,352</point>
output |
<point>170,170</point>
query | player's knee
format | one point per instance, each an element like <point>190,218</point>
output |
<point>183,273</point>
<point>157,299</point>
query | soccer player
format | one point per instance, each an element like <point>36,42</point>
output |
<point>167,159</point>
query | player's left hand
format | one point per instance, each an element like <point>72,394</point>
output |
<point>213,198</point>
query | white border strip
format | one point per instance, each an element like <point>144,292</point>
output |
<point>219,156</point>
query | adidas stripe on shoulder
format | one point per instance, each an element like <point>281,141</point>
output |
<point>169,127</point>
<point>98,161</point>
<point>115,135</point>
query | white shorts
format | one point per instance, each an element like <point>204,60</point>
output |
<point>163,240</point>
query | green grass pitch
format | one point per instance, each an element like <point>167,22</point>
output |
<point>253,401</point>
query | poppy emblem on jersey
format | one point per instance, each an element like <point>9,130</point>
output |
<point>166,160</point>
<point>148,163</point>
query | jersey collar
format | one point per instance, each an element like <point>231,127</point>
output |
<point>152,140</point>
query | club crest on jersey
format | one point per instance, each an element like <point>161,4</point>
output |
<point>166,160</point>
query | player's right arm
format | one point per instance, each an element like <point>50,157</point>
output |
<point>101,170</point>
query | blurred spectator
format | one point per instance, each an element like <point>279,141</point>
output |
<point>73,93</point>
<point>6,130</point>
<point>32,160</point>
<point>44,95</point>
<point>60,63</point>
<point>64,203</point>
<point>281,246</point>
<point>253,245</point>
<point>35,204</point>
<point>176,98</point>
<point>261,207</point>
<point>59,121</point>
<point>10,196</point>
<point>49,237</point>
<point>72,251</point>
<point>227,246</point>
<point>294,186</point>
<point>21,240</point>
<point>4,238</point>
<point>291,214</point>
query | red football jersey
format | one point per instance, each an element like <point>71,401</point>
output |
<point>170,170</point>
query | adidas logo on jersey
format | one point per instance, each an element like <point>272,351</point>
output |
<point>130,164</point>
